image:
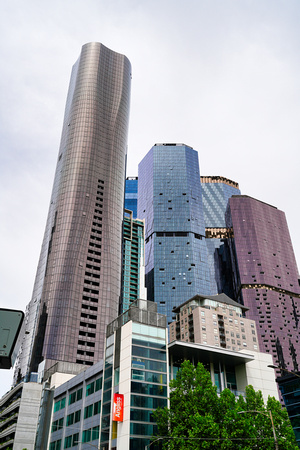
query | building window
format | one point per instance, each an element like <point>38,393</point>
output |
<point>75,396</point>
<point>90,389</point>
<point>56,445</point>
<point>88,411</point>
<point>60,404</point>
<point>98,384</point>
<point>57,425</point>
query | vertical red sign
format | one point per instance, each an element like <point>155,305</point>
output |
<point>118,407</point>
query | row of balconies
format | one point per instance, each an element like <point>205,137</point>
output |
<point>11,406</point>
<point>7,445</point>
<point>7,432</point>
<point>8,420</point>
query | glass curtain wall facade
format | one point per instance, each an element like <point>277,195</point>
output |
<point>216,192</point>
<point>170,202</point>
<point>131,195</point>
<point>136,366</point>
<point>265,275</point>
<point>78,282</point>
<point>289,386</point>
<point>133,277</point>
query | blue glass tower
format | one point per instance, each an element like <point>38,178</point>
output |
<point>170,201</point>
<point>131,195</point>
<point>216,192</point>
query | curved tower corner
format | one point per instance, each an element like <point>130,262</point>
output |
<point>77,287</point>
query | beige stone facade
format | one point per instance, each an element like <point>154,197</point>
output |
<point>214,320</point>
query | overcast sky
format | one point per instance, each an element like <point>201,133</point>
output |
<point>219,75</point>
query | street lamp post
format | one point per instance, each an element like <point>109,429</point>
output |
<point>285,370</point>
<point>156,440</point>
<point>268,413</point>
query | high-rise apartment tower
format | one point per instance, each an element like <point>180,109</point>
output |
<point>77,287</point>
<point>265,276</point>
<point>133,276</point>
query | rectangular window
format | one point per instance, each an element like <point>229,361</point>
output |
<point>151,377</point>
<point>75,396</point>
<point>70,419</point>
<point>59,404</point>
<point>75,439</point>
<point>90,389</point>
<point>148,402</point>
<point>72,398</point>
<point>95,433</point>
<point>149,353</point>
<point>77,416</point>
<point>140,363</point>
<point>97,408</point>
<point>148,389</point>
<point>57,425</point>
<point>98,385</point>
<point>88,411</point>
<point>79,394</point>
<point>68,442</point>
<point>86,435</point>
<point>56,445</point>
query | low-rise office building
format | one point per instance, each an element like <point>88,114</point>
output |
<point>134,373</point>
<point>76,411</point>
<point>110,405</point>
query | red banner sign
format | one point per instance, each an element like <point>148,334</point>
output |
<point>118,408</point>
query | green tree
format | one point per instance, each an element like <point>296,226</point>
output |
<point>199,418</point>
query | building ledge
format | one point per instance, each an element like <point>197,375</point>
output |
<point>208,353</point>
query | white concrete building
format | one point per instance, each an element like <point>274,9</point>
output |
<point>19,412</point>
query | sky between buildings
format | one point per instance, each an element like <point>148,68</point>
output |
<point>219,75</point>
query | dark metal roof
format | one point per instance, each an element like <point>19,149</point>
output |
<point>221,298</point>
<point>180,350</point>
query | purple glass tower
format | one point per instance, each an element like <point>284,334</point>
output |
<point>265,276</point>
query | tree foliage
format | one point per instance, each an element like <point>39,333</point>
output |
<point>199,418</point>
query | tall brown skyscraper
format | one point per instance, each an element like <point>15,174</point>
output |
<point>77,287</point>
